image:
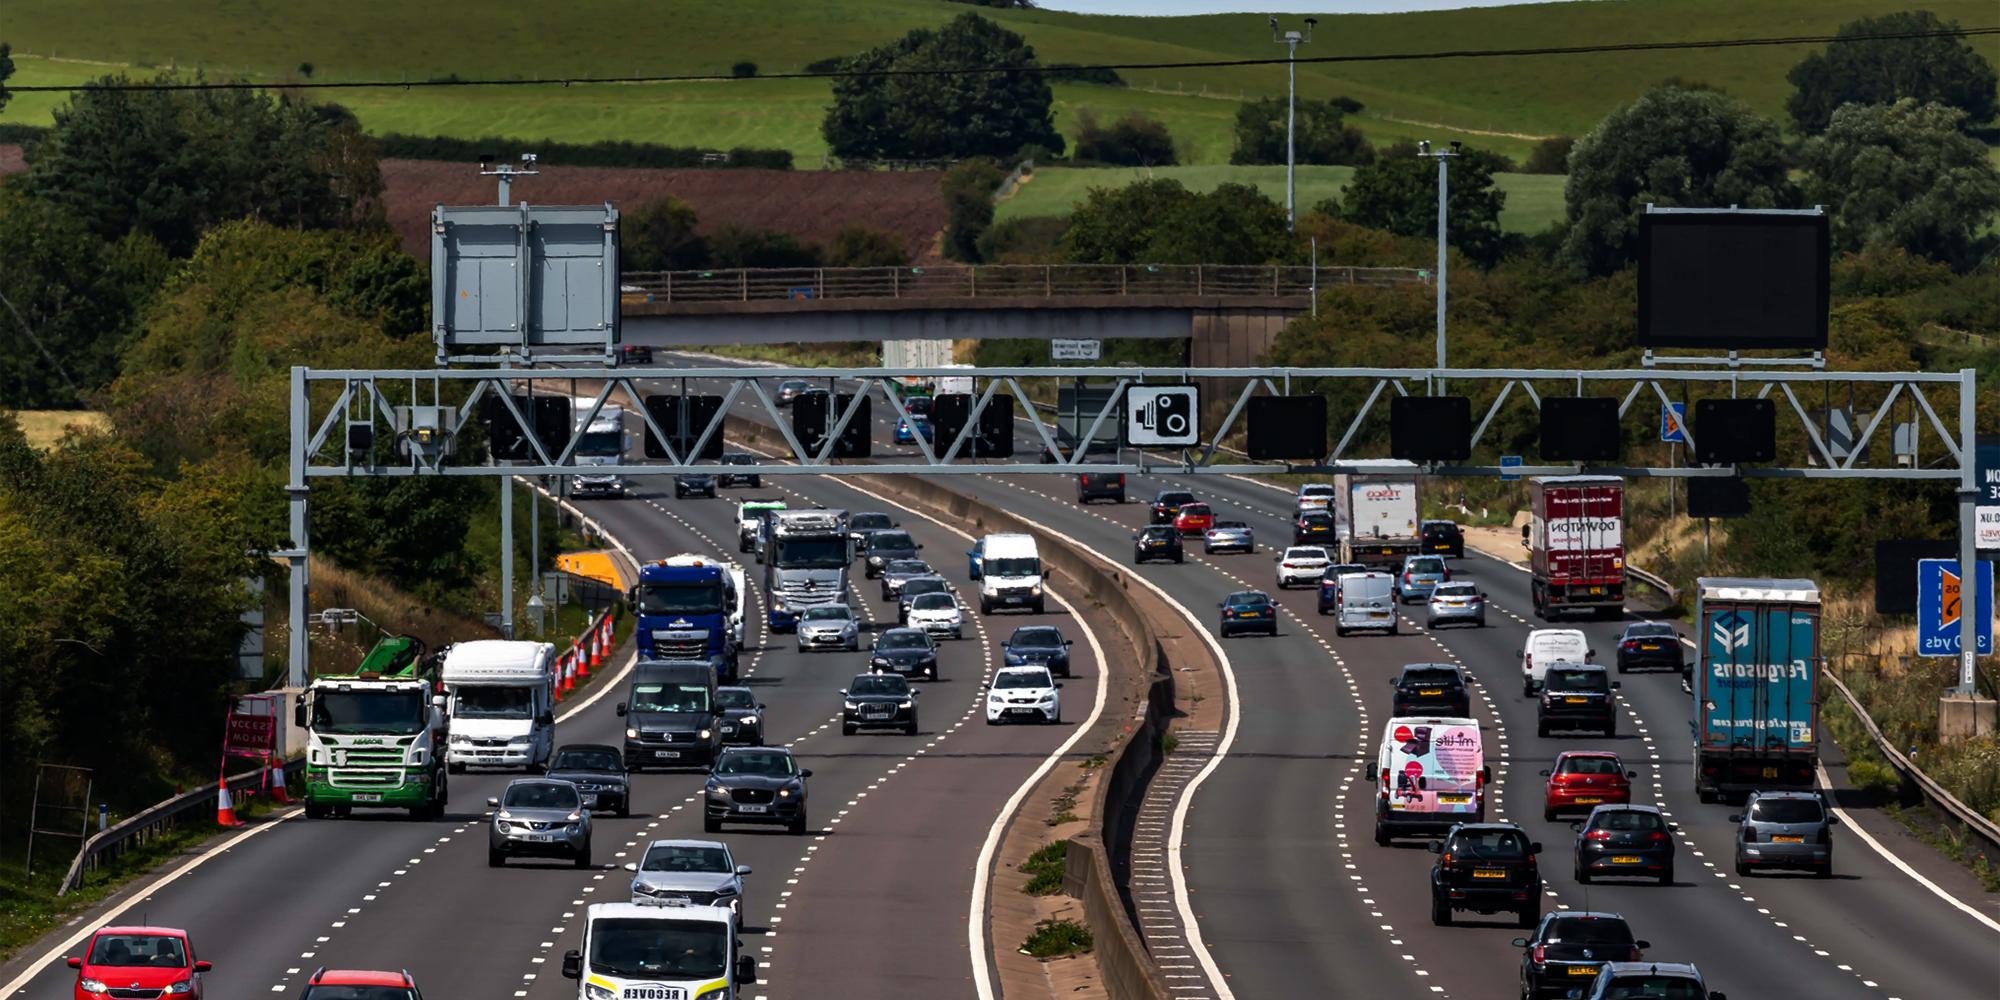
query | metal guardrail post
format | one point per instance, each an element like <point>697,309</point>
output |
<point>973,272</point>
<point>896,282</point>
<point>743,283</point>
<point>1048,281</point>
<point>819,282</point>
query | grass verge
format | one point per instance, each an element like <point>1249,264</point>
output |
<point>1058,939</point>
<point>1044,869</point>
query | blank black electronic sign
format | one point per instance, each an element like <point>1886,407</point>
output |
<point>1734,431</point>
<point>1580,429</point>
<point>812,419</point>
<point>994,437</point>
<point>1713,496</point>
<point>1286,428</point>
<point>549,415</point>
<point>1733,280</point>
<point>666,411</point>
<point>1430,428</point>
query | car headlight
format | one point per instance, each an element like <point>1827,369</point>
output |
<point>1035,591</point>
<point>718,791</point>
<point>784,793</point>
<point>851,706</point>
<point>631,734</point>
<point>592,991</point>
<point>1051,696</point>
<point>994,698</point>
<point>91,986</point>
<point>906,704</point>
<point>182,988</point>
<point>719,993</point>
<point>748,720</point>
<point>878,662</point>
<point>1016,659</point>
<point>875,560</point>
<point>460,738</point>
<point>704,734</point>
<point>518,741</point>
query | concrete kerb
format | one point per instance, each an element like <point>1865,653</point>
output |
<point>1143,703</point>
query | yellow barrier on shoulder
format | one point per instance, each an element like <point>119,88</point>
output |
<point>594,565</point>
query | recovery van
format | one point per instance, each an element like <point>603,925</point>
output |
<point>673,951</point>
<point>501,694</point>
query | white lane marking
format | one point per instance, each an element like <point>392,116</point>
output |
<point>1890,856</point>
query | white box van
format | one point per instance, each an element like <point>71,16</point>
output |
<point>502,703</point>
<point>1430,775</point>
<point>1367,600</point>
<point>1546,646</point>
<point>1009,570</point>
<point>672,952</point>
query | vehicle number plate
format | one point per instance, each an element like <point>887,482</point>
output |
<point>1015,600</point>
<point>1453,798</point>
<point>667,754</point>
<point>367,796</point>
<point>1597,590</point>
<point>1427,692</point>
<point>1770,772</point>
<point>1782,839</point>
<point>1649,646</point>
<point>540,838</point>
<point>1624,859</point>
<point>1489,873</point>
<point>1588,800</point>
<point>1583,970</point>
<point>1575,701</point>
<point>753,809</point>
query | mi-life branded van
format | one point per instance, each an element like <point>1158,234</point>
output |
<point>666,952</point>
<point>1009,570</point>
<point>1367,600</point>
<point>1546,646</point>
<point>1430,774</point>
<point>502,703</point>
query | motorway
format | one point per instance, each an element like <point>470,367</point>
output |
<point>1292,897</point>
<point>875,899</point>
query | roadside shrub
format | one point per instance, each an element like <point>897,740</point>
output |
<point>1058,938</point>
<point>1044,869</point>
<point>1134,140</point>
<point>743,70</point>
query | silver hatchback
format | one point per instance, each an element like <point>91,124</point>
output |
<point>1456,604</point>
<point>1785,830</point>
<point>690,873</point>
<point>541,818</point>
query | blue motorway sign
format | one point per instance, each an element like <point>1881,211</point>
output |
<point>1940,603</point>
<point>1509,462</point>
<point>1673,423</point>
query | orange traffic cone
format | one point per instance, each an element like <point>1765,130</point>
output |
<point>225,810</point>
<point>277,785</point>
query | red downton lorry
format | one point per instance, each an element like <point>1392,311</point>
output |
<point>1576,544</point>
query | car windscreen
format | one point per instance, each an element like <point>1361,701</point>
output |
<point>1491,845</point>
<point>907,567</point>
<point>739,458</point>
<point>541,795</point>
<point>1591,765</point>
<point>1230,526</point>
<point>152,951</point>
<point>703,598</point>
<point>1026,638</point>
<point>922,585</point>
<point>776,765</point>
<point>1161,531</point>
<point>482,701</point>
<point>335,992</point>
<point>1588,930</point>
<point>735,698</point>
<point>686,858</point>
<point>1786,811</point>
<point>836,613</point>
<point>869,522</point>
<point>879,684</point>
<point>586,760</point>
<point>1195,509</point>
<point>1021,679</point>
<point>1430,564</point>
<point>1456,590</point>
<point>1315,491</point>
<point>634,948</point>
<point>1246,600</point>
<point>931,602</point>
<point>1430,678</point>
<point>1304,554</point>
<point>902,640</point>
<point>887,540</point>
<point>1625,820</point>
<point>1175,499</point>
<point>1650,987</point>
<point>1578,680</point>
<point>600,443</point>
<point>812,553</point>
<point>918,406</point>
<point>1317,520</point>
<point>1013,566</point>
<point>653,696</point>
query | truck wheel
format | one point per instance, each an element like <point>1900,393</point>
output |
<point>1706,795</point>
<point>797,827</point>
<point>1381,834</point>
<point>1611,728</point>
<point>985,606</point>
<point>315,810</point>
<point>1339,630</point>
<point>625,806</point>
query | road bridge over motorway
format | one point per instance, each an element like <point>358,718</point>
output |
<point>1229,313</point>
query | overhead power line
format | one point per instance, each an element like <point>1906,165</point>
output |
<point>570,81</point>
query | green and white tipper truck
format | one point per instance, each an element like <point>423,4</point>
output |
<point>373,737</point>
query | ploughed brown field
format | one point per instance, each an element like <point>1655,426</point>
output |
<point>811,205</point>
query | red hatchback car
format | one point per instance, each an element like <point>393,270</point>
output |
<point>1194,519</point>
<point>1582,780</point>
<point>138,962</point>
<point>355,984</point>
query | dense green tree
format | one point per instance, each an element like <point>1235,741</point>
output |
<point>735,246</point>
<point>1159,221</point>
<point>1672,147</point>
<point>171,164</point>
<point>1401,196</point>
<point>1903,174</point>
<point>1942,70</point>
<point>68,300</point>
<point>968,202</point>
<point>860,246</point>
<point>660,236</point>
<point>1114,225</point>
<point>1032,239</point>
<point>1320,134</point>
<point>894,107</point>
<point>1550,156</point>
<point>1134,140</point>
<point>6,70</point>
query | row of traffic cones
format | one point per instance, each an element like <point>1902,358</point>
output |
<point>274,786</point>
<point>589,650</point>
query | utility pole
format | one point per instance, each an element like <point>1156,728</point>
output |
<point>1443,158</point>
<point>1290,40</point>
<point>506,172</point>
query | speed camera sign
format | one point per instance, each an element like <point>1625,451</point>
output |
<point>1162,416</point>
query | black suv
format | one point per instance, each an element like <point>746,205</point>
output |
<point>1430,689</point>
<point>1577,696</point>
<point>1486,868</point>
<point>742,719</point>
<point>1569,947</point>
<point>1100,486</point>
<point>1313,527</point>
<point>1158,541</point>
<point>755,785</point>
<point>1167,505</point>
<point>1649,645</point>
<point>750,479</point>
<point>694,484</point>
<point>1625,842</point>
<point>878,701</point>
<point>597,771</point>
<point>1443,538</point>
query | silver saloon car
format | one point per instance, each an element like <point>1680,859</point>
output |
<point>1456,604</point>
<point>689,872</point>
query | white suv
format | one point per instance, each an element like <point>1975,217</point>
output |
<point>1023,693</point>
<point>1302,565</point>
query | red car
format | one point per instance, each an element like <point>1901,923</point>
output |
<point>138,961</point>
<point>1194,519</point>
<point>354,984</point>
<point>1582,780</point>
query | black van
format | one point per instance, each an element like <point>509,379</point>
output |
<point>671,706</point>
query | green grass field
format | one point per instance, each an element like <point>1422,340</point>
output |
<point>1499,103</point>
<point>1534,201</point>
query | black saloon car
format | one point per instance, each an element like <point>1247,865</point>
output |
<point>742,721</point>
<point>1443,538</point>
<point>1625,842</point>
<point>755,785</point>
<point>747,478</point>
<point>1649,646</point>
<point>906,651</point>
<point>1313,528</point>
<point>1158,541</point>
<point>1569,947</point>
<point>886,546</point>
<point>694,484</point>
<point>1430,689</point>
<point>878,701</point>
<point>1168,504</point>
<point>597,771</point>
<point>1037,646</point>
<point>1486,868</point>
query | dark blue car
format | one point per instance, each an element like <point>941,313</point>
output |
<point>1249,611</point>
<point>1037,646</point>
<point>908,429</point>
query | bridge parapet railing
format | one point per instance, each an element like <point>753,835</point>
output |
<point>1000,281</point>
